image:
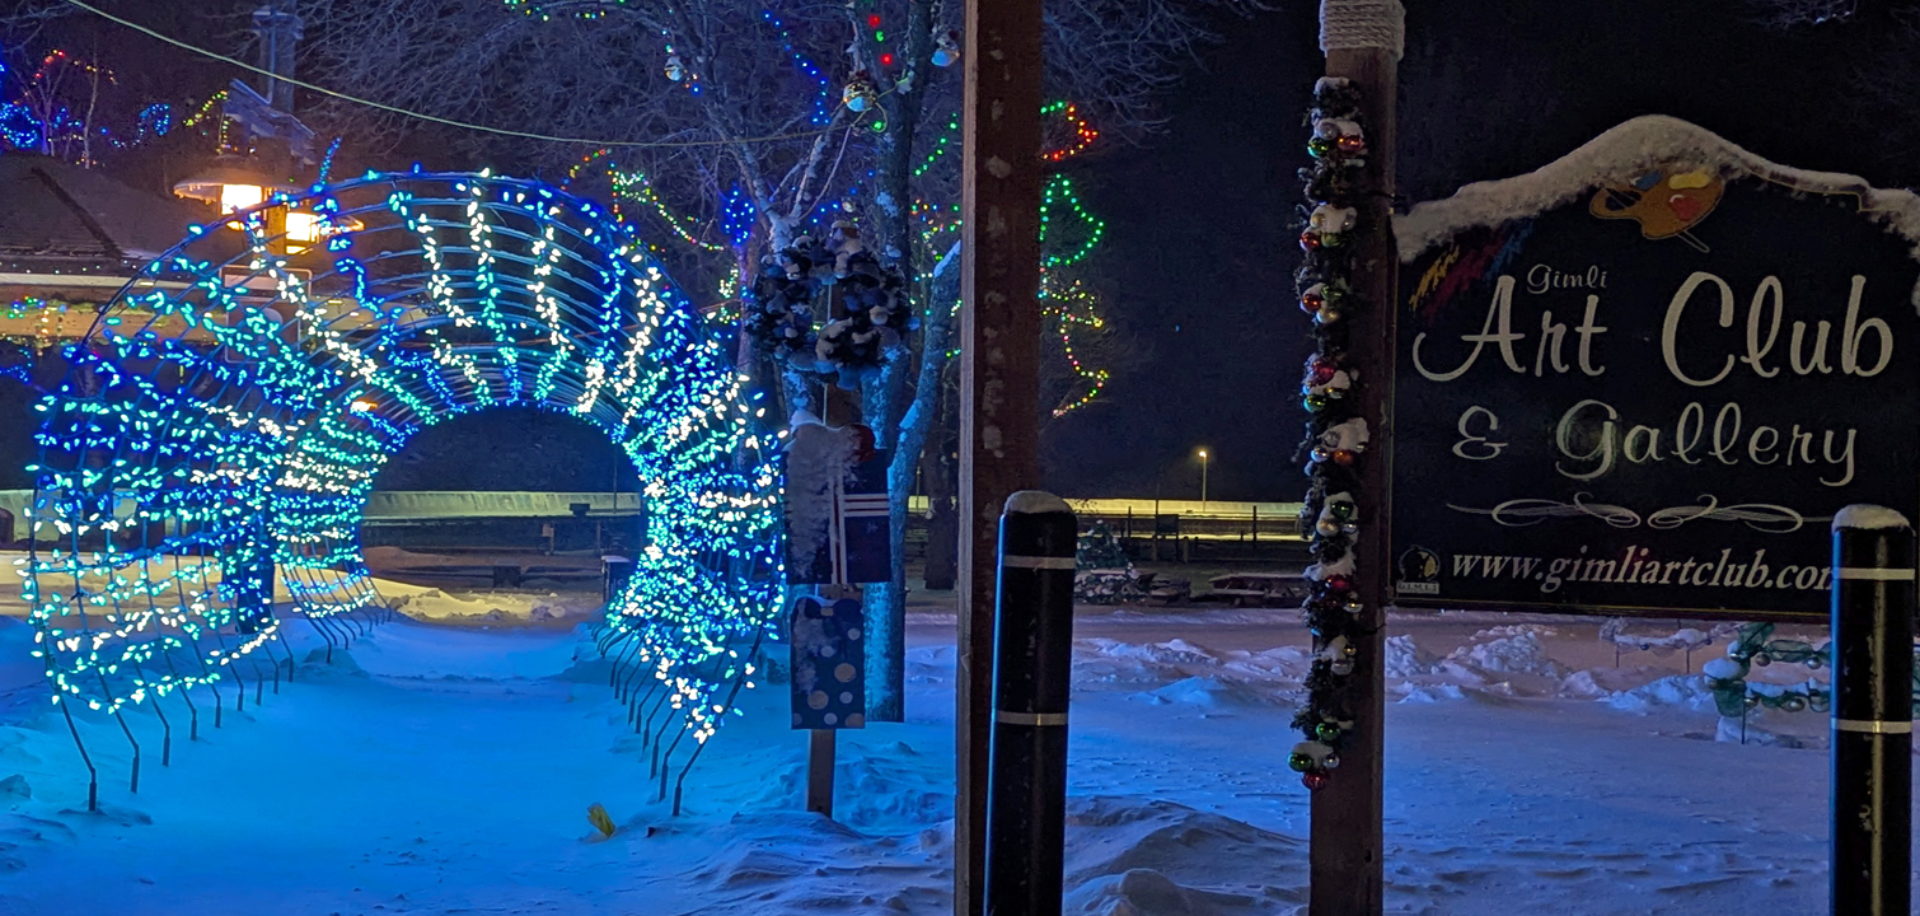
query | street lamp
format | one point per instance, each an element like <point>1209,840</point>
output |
<point>1203,479</point>
<point>232,182</point>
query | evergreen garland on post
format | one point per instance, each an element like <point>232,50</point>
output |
<point>1336,436</point>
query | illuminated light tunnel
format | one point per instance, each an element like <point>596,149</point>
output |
<point>221,426</point>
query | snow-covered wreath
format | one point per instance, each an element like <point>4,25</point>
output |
<point>805,281</point>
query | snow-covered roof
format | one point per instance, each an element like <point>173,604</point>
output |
<point>1630,149</point>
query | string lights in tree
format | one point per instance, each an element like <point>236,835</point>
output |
<point>1073,308</point>
<point>68,108</point>
<point>184,463</point>
<point>1068,235</point>
<point>1081,133</point>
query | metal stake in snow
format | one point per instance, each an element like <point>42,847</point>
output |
<point>1873,606</point>
<point>1033,667</point>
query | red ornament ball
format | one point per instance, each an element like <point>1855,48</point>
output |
<point>1312,302</point>
<point>1339,584</point>
<point>1314,780</point>
<point>1309,241</point>
<point>1351,144</point>
<point>1323,373</point>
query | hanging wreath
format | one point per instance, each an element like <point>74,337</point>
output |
<point>878,312</point>
<point>1336,435</point>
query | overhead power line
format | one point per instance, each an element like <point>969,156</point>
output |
<point>434,119</point>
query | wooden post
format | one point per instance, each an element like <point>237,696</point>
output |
<point>1363,45</point>
<point>820,771</point>
<point>999,378</point>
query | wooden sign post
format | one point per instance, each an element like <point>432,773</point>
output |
<point>836,538</point>
<point>1001,176</point>
<point>1363,41</point>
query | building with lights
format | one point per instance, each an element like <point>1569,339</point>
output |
<point>70,239</point>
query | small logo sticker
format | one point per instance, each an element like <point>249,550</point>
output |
<point>1419,572</point>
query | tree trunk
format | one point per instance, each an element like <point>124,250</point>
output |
<point>886,604</point>
<point>937,469</point>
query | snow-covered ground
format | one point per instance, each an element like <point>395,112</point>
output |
<point>442,769</point>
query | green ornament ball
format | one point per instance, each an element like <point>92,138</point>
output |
<point>1314,402</point>
<point>1319,146</point>
<point>1327,731</point>
<point>1299,763</point>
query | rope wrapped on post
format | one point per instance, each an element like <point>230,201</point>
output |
<point>1350,24</point>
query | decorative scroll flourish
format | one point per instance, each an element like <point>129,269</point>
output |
<point>1763,517</point>
<point>1520,513</point>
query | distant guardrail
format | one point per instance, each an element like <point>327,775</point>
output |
<point>1196,517</point>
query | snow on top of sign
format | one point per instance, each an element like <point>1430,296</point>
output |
<point>817,455</point>
<point>1870,518</point>
<point>1629,149</point>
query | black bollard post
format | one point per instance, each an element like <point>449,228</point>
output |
<point>1873,606</point>
<point>1032,672</point>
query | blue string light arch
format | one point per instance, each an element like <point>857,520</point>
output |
<point>226,416</point>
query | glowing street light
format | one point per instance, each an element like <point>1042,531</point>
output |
<point>233,183</point>
<point>1203,477</point>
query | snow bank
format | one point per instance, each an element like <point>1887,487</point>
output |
<point>1405,659</point>
<point>1172,652</point>
<point>1209,693</point>
<point>1679,691</point>
<point>1134,857</point>
<point>885,789</point>
<point>1518,654</point>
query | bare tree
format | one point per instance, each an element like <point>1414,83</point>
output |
<point>812,109</point>
<point>1881,42</point>
<point>1789,14</point>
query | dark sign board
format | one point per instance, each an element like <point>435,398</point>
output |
<point>1655,397</point>
<point>829,683</point>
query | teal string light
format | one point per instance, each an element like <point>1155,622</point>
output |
<point>227,414</point>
